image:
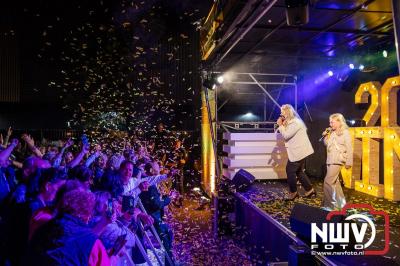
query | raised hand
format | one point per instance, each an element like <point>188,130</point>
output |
<point>14,142</point>
<point>68,143</point>
<point>28,139</point>
<point>85,148</point>
<point>9,131</point>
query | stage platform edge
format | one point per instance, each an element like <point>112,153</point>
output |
<point>265,237</point>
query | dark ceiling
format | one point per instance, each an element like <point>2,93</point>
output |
<point>336,28</point>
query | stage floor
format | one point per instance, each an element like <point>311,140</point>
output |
<point>269,195</point>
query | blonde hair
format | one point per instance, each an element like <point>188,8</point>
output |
<point>290,113</point>
<point>340,118</point>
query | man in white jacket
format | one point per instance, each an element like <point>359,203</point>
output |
<point>298,147</point>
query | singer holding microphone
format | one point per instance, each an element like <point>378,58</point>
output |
<point>339,153</point>
<point>298,146</point>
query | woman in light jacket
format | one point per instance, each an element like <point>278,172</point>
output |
<point>299,147</point>
<point>339,153</point>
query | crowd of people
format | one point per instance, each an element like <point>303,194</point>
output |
<point>87,203</point>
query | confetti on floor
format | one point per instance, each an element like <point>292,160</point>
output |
<point>194,243</point>
<point>269,195</point>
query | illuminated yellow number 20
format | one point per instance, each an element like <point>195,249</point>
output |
<point>383,104</point>
<point>374,111</point>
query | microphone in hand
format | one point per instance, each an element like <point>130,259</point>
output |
<point>326,132</point>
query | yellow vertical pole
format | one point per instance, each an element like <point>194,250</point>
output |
<point>207,149</point>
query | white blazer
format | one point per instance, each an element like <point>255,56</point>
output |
<point>297,142</point>
<point>339,148</point>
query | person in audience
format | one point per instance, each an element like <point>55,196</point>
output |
<point>50,181</point>
<point>106,223</point>
<point>154,204</point>
<point>28,178</point>
<point>43,215</point>
<point>127,179</point>
<point>7,174</point>
<point>46,201</point>
<point>83,174</point>
<point>67,239</point>
<point>115,161</point>
<point>98,168</point>
<point>111,182</point>
<point>20,214</point>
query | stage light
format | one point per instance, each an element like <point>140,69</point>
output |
<point>385,53</point>
<point>330,73</point>
<point>361,67</point>
<point>220,79</point>
<point>249,116</point>
<point>352,122</point>
<point>351,66</point>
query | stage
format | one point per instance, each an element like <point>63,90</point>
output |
<point>263,218</point>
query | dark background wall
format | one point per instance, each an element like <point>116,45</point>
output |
<point>32,42</point>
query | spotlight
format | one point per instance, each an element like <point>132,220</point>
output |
<point>351,66</point>
<point>220,79</point>
<point>361,67</point>
<point>330,73</point>
<point>385,53</point>
<point>356,123</point>
<point>248,116</point>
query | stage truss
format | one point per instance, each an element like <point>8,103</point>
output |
<point>265,82</point>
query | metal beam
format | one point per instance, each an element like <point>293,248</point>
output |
<point>262,82</point>
<point>249,6</point>
<point>396,24</point>
<point>351,13</point>
<point>265,91</point>
<point>262,40</point>
<point>358,37</point>
<point>289,56</point>
<point>342,9</point>
<point>266,9</point>
<point>222,105</point>
<point>306,29</point>
<point>255,74</point>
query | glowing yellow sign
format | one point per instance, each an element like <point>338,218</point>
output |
<point>384,105</point>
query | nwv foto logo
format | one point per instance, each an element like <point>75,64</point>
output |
<point>336,235</point>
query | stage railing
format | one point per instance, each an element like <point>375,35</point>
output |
<point>228,126</point>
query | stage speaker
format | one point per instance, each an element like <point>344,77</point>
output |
<point>242,180</point>
<point>303,215</point>
<point>297,12</point>
<point>300,255</point>
<point>224,209</point>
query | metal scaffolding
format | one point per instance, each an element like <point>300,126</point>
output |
<point>261,81</point>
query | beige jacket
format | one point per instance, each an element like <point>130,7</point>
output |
<point>339,148</point>
<point>297,143</point>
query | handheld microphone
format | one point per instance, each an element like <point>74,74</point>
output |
<point>328,130</point>
<point>276,124</point>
